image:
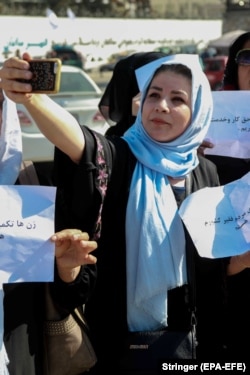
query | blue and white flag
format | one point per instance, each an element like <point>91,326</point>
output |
<point>70,14</point>
<point>52,17</point>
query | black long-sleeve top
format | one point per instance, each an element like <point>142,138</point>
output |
<point>106,309</point>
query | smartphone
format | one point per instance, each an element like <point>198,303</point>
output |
<point>46,75</point>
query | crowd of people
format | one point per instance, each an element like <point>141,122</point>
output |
<point>133,278</point>
<point>23,307</point>
<point>237,77</point>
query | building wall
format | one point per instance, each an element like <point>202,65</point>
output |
<point>189,8</point>
<point>234,17</point>
<point>236,20</point>
<point>169,9</point>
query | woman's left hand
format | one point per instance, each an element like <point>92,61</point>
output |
<point>72,250</point>
<point>205,144</point>
<point>239,263</point>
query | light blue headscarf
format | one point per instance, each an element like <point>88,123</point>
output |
<point>155,241</point>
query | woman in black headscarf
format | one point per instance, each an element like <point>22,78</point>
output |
<point>237,77</point>
<point>116,102</point>
<point>232,77</point>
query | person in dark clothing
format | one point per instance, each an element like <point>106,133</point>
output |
<point>24,302</point>
<point>116,102</point>
<point>237,77</point>
<point>142,270</point>
<point>233,75</point>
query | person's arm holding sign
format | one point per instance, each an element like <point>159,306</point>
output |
<point>238,263</point>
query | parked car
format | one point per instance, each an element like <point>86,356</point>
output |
<point>112,60</point>
<point>109,66</point>
<point>79,95</point>
<point>67,54</point>
<point>214,69</point>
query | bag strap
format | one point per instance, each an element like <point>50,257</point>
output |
<point>78,315</point>
<point>27,174</point>
<point>191,267</point>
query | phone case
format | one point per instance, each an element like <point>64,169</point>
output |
<point>46,75</point>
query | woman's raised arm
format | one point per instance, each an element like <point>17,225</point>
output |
<point>58,125</point>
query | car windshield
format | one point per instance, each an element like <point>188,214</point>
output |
<point>75,81</point>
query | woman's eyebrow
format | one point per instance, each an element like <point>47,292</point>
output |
<point>178,92</point>
<point>155,88</point>
<point>175,92</point>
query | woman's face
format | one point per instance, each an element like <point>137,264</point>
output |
<point>166,111</point>
<point>244,73</point>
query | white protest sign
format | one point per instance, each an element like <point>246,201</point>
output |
<point>26,225</point>
<point>218,218</point>
<point>230,125</point>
